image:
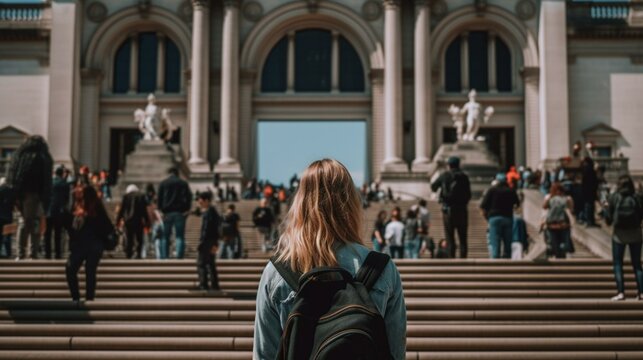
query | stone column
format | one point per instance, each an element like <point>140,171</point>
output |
<point>334,67</point>
<point>464,62</point>
<point>423,87</point>
<point>160,63</point>
<point>554,105</point>
<point>532,121</point>
<point>133,64</point>
<point>64,80</point>
<point>491,55</point>
<point>393,88</point>
<point>90,126</point>
<point>290,77</point>
<point>228,162</point>
<point>199,86</point>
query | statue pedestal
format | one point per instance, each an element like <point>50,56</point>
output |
<point>475,160</point>
<point>148,164</point>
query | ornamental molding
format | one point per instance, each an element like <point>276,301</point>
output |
<point>184,11</point>
<point>439,9</point>
<point>96,11</point>
<point>526,9</point>
<point>252,11</point>
<point>371,10</point>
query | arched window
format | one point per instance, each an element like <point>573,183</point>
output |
<point>316,54</point>
<point>147,51</point>
<point>478,60</point>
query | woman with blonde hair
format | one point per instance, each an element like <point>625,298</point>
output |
<point>322,230</point>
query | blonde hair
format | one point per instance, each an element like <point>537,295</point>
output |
<point>325,211</point>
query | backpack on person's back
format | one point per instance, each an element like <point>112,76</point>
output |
<point>333,316</point>
<point>557,218</point>
<point>628,212</point>
<point>456,191</point>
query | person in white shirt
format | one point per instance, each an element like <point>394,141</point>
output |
<point>394,234</point>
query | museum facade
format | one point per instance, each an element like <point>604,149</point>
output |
<point>555,72</point>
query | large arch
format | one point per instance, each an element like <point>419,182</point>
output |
<point>295,16</point>
<point>115,29</point>
<point>507,25</point>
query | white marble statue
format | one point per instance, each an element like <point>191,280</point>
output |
<point>153,125</point>
<point>472,108</point>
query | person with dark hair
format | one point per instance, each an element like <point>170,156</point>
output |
<point>133,215</point>
<point>174,201</point>
<point>7,205</point>
<point>208,243</point>
<point>88,226</point>
<point>497,207</point>
<point>58,207</point>
<point>625,213</point>
<point>29,175</point>
<point>455,194</point>
<point>589,188</point>
<point>231,248</point>
<point>412,240</point>
<point>394,234</point>
<point>379,243</point>
<point>557,221</point>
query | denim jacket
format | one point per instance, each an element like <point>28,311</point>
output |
<point>275,299</point>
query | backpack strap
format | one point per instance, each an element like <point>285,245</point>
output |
<point>372,268</point>
<point>291,277</point>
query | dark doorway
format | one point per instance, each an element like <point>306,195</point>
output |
<point>122,142</point>
<point>500,141</point>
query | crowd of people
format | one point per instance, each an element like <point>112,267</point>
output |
<point>71,206</point>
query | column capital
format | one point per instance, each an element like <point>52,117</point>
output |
<point>230,3</point>
<point>392,4</point>
<point>421,3</point>
<point>160,35</point>
<point>200,4</point>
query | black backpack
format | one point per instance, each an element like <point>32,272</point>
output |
<point>333,316</point>
<point>457,190</point>
<point>628,212</point>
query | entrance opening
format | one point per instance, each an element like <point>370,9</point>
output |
<point>285,148</point>
<point>500,141</point>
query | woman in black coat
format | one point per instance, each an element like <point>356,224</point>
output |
<point>88,226</point>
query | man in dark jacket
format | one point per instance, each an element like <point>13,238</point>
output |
<point>263,218</point>
<point>455,194</point>
<point>58,207</point>
<point>134,216</point>
<point>7,204</point>
<point>208,243</point>
<point>174,201</point>
<point>497,207</point>
<point>30,176</point>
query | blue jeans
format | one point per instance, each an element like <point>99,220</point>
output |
<point>226,249</point>
<point>157,237</point>
<point>174,220</point>
<point>618,251</point>
<point>500,232</point>
<point>413,248</point>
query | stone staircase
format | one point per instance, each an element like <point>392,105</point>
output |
<point>457,309</point>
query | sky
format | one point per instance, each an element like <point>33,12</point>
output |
<point>288,147</point>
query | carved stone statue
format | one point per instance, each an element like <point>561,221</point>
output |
<point>472,108</point>
<point>153,125</point>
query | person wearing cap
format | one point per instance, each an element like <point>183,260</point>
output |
<point>497,207</point>
<point>133,215</point>
<point>455,194</point>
